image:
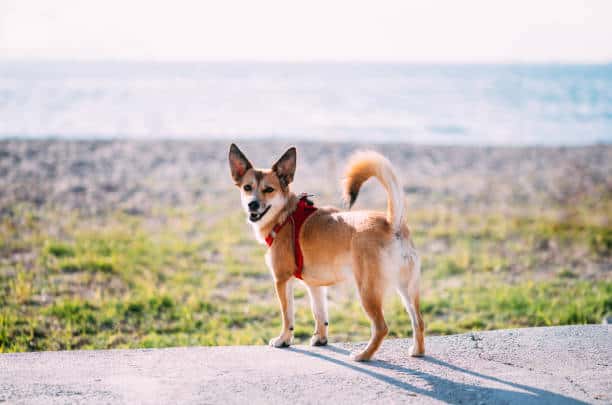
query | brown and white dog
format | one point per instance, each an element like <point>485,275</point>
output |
<point>372,247</point>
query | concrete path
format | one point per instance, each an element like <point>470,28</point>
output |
<point>539,365</point>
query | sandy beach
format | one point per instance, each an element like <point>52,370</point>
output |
<point>101,176</point>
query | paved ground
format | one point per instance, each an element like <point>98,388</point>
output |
<point>538,365</point>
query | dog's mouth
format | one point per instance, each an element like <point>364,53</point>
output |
<point>256,216</point>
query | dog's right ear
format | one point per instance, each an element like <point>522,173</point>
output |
<point>239,164</point>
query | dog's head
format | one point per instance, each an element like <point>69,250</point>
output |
<point>264,192</point>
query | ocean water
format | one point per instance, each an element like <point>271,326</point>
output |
<point>430,104</point>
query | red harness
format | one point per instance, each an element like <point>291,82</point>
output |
<point>304,209</point>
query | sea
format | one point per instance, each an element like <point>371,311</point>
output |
<point>505,104</point>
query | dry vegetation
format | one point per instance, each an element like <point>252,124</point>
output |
<point>142,244</point>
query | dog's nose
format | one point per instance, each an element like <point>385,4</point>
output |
<point>254,205</point>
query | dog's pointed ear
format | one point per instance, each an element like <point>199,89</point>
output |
<point>239,164</point>
<point>285,167</point>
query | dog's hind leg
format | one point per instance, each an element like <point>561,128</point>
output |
<point>284,292</point>
<point>318,304</point>
<point>372,304</point>
<point>371,286</point>
<point>408,290</point>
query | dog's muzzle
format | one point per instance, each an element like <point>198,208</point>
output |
<point>256,216</point>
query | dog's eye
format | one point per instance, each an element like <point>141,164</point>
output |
<point>268,190</point>
<point>248,187</point>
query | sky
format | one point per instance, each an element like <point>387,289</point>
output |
<point>478,31</point>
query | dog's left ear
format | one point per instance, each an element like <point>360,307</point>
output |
<point>239,164</point>
<point>285,167</point>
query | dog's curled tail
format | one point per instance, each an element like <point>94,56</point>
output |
<point>365,164</point>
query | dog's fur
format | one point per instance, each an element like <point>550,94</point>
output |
<point>375,246</point>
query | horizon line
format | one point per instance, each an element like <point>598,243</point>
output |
<point>304,61</point>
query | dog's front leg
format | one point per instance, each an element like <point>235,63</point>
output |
<point>284,291</point>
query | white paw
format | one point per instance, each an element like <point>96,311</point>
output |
<point>281,341</point>
<point>317,340</point>
<point>416,353</point>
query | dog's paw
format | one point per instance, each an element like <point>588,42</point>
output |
<point>363,356</point>
<point>416,352</point>
<point>318,340</point>
<point>281,341</point>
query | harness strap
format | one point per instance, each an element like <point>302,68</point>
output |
<point>304,209</point>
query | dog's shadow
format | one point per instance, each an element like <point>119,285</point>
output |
<point>443,389</point>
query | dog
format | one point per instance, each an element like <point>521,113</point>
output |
<point>373,248</point>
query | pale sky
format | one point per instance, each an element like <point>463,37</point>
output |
<point>268,30</point>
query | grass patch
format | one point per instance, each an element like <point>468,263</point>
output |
<point>567,273</point>
<point>448,267</point>
<point>59,249</point>
<point>493,305</point>
<point>186,276</point>
<point>75,265</point>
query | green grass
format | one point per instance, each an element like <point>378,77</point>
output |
<point>195,276</point>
